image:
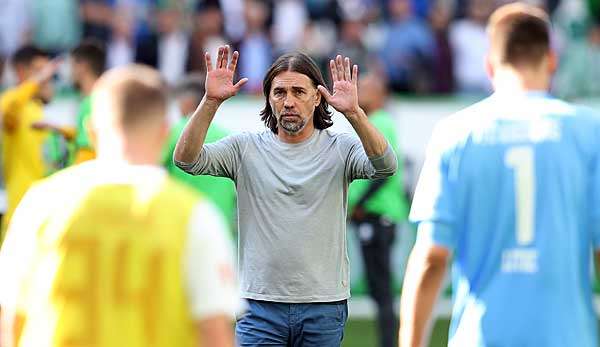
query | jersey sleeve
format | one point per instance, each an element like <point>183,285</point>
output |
<point>595,194</point>
<point>208,266</point>
<point>221,158</point>
<point>433,204</point>
<point>12,100</point>
<point>18,249</point>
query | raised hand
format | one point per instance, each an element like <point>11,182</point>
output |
<point>219,80</point>
<point>345,91</point>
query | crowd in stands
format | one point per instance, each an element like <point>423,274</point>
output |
<point>424,46</point>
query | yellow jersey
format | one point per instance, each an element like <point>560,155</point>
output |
<point>110,261</point>
<point>22,147</point>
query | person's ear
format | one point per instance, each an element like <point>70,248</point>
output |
<point>552,62</point>
<point>317,98</point>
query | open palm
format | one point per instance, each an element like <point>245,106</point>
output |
<point>219,80</point>
<point>345,91</point>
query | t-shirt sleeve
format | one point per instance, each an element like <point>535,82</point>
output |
<point>208,266</point>
<point>359,165</point>
<point>18,250</point>
<point>433,203</point>
<point>221,158</point>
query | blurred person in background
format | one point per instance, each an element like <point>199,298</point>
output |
<point>113,252</point>
<point>121,45</point>
<point>23,159</point>
<point>290,18</point>
<point>208,34</point>
<point>510,194</point>
<point>291,182</point>
<point>443,65</point>
<point>97,19</point>
<point>350,40</point>
<point>188,94</point>
<point>376,208</point>
<point>88,64</point>
<point>67,144</point>
<point>14,30</point>
<point>579,72</point>
<point>167,48</point>
<point>256,51</point>
<point>408,50</point>
<point>469,44</point>
<point>55,25</point>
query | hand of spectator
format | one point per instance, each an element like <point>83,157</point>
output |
<point>345,91</point>
<point>219,80</point>
<point>46,73</point>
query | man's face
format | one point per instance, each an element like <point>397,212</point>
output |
<point>293,99</point>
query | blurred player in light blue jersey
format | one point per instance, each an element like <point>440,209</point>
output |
<point>510,191</point>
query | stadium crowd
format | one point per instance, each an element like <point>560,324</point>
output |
<point>426,46</point>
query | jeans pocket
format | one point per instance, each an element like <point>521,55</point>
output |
<point>342,309</point>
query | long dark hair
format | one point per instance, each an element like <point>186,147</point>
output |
<point>301,63</point>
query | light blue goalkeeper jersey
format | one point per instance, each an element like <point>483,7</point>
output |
<point>512,186</point>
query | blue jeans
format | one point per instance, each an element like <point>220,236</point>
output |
<point>292,325</point>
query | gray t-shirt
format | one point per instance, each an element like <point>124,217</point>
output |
<point>292,209</point>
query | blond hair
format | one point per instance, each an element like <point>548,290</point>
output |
<point>130,97</point>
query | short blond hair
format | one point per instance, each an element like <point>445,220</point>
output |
<point>519,34</point>
<point>129,97</point>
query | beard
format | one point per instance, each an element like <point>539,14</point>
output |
<point>292,125</point>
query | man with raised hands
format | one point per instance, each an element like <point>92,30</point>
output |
<point>292,181</point>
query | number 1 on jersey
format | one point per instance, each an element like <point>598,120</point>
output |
<point>520,159</point>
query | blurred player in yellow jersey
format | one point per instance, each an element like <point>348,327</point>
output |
<point>112,252</point>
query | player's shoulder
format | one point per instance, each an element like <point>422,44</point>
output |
<point>459,125</point>
<point>579,116</point>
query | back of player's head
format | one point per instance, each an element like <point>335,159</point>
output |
<point>303,64</point>
<point>129,99</point>
<point>519,35</point>
<point>26,54</point>
<point>92,53</point>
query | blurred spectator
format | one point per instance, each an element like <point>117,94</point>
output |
<point>88,63</point>
<point>409,49</point>
<point>469,44</point>
<point>14,28</point>
<point>219,190</point>
<point>208,34</point>
<point>121,47</point>
<point>97,17</point>
<point>376,207</point>
<point>317,42</point>
<point>579,72</point>
<point>290,19</point>
<point>55,24</point>
<point>350,42</point>
<point>255,49</point>
<point>323,9</point>
<point>173,44</point>
<point>23,158</point>
<point>233,18</point>
<point>440,17</point>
